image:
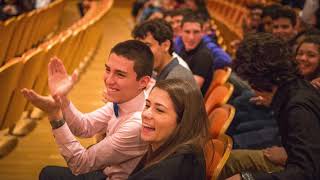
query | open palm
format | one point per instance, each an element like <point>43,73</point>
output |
<point>45,103</point>
<point>60,83</point>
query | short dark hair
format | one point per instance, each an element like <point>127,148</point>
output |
<point>264,61</point>
<point>181,12</point>
<point>138,52</point>
<point>158,28</point>
<point>286,12</point>
<point>192,18</point>
<point>270,10</point>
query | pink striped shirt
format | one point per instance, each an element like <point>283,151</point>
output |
<point>118,153</point>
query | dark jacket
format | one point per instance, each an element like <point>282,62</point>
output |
<point>184,165</point>
<point>297,110</point>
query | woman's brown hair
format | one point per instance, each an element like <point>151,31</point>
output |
<point>191,132</point>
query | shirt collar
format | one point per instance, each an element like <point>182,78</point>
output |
<point>133,105</point>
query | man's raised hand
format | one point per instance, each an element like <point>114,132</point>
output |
<point>60,83</point>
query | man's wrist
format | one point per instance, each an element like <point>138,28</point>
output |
<point>55,124</point>
<point>55,115</point>
<point>246,176</point>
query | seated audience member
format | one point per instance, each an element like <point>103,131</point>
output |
<point>137,7</point>
<point>221,58</point>
<point>308,59</point>
<point>176,19</point>
<point>266,63</point>
<point>128,71</point>
<point>198,7</point>
<point>158,14</point>
<point>252,22</point>
<point>158,35</point>
<point>175,125</point>
<point>156,6</point>
<point>12,8</point>
<point>283,23</point>
<point>195,52</point>
<point>268,12</point>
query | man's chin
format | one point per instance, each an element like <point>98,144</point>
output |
<point>188,48</point>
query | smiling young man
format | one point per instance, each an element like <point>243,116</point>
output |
<point>195,52</point>
<point>283,23</point>
<point>128,71</point>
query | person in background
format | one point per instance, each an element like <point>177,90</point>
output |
<point>266,63</point>
<point>308,59</point>
<point>195,52</point>
<point>268,13</point>
<point>284,23</point>
<point>158,35</point>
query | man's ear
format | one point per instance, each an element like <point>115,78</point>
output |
<point>144,81</point>
<point>166,45</point>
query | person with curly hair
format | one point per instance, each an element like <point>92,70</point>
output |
<point>266,63</point>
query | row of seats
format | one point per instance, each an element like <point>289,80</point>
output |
<point>230,14</point>
<point>74,46</point>
<point>20,33</point>
<point>220,116</point>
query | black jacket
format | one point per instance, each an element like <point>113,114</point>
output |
<point>184,166</point>
<point>297,109</point>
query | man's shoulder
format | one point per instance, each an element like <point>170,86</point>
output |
<point>304,94</point>
<point>134,119</point>
<point>180,72</point>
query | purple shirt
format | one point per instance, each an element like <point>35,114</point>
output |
<point>118,153</point>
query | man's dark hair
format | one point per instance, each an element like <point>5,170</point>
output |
<point>158,28</point>
<point>192,18</point>
<point>265,61</point>
<point>286,12</point>
<point>270,10</point>
<point>252,6</point>
<point>138,52</point>
<point>181,12</point>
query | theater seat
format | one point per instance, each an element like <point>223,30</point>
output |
<point>218,96</point>
<point>9,75</point>
<point>217,152</point>
<point>220,119</point>
<point>220,76</point>
<point>32,62</point>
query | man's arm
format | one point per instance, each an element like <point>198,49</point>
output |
<point>83,125</point>
<point>123,145</point>
<point>199,80</point>
<point>302,146</point>
<point>89,124</point>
